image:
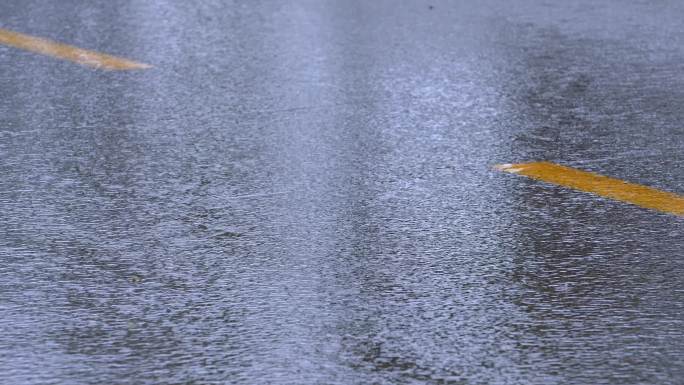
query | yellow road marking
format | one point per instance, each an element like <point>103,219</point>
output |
<point>600,185</point>
<point>63,51</point>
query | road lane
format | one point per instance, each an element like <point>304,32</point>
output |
<point>600,185</point>
<point>67,52</point>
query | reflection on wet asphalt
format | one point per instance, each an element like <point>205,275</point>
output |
<point>302,192</point>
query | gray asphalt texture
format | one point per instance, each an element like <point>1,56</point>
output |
<point>302,192</point>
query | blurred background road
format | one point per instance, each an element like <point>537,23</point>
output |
<point>302,192</point>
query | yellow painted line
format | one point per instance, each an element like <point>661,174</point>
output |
<point>63,51</point>
<point>600,185</point>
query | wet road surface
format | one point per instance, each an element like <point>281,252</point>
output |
<point>303,192</point>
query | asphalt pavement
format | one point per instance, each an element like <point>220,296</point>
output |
<point>304,192</point>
